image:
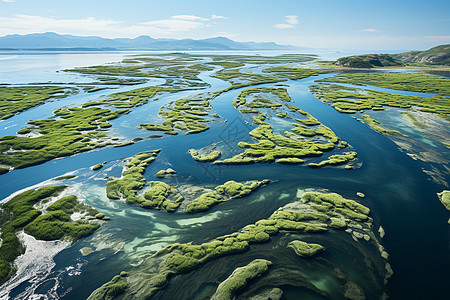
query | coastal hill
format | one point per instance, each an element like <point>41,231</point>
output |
<point>54,41</point>
<point>439,55</point>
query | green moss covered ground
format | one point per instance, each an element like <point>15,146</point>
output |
<point>293,73</point>
<point>184,114</point>
<point>398,81</point>
<point>71,131</point>
<point>133,98</point>
<point>305,249</point>
<point>14,100</point>
<point>350,100</point>
<point>229,190</point>
<point>239,279</point>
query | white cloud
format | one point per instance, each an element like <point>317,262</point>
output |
<point>188,18</point>
<point>293,19</point>
<point>10,1</point>
<point>290,22</point>
<point>172,25</point>
<point>25,24</point>
<point>282,26</point>
<point>369,30</point>
<point>213,17</point>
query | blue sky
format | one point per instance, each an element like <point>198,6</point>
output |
<point>346,24</point>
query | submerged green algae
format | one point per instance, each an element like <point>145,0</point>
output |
<point>314,213</point>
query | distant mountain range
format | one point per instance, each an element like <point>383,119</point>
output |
<point>439,55</point>
<point>54,41</point>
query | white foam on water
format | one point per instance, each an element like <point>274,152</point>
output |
<point>36,263</point>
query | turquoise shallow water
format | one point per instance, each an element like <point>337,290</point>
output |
<point>400,196</point>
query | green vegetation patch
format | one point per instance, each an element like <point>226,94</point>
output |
<point>351,100</point>
<point>73,130</point>
<point>375,125</point>
<point>304,249</point>
<point>132,179</point>
<point>239,279</point>
<point>294,73</point>
<point>337,159</point>
<point>14,100</point>
<point>209,157</point>
<point>133,98</point>
<point>398,81</point>
<point>184,114</point>
<point>159,195</point>
<point>229,190</point>
<point>239,80</point>
<point>166,173</point>
<point>66,177</point>
<point>97,167</point>
<point>54,223</point>
<point>444,197</point>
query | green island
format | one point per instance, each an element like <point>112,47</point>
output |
<point>97,167</point>
<point>71,131</point>
<point>66,177</point>
<point>133,98</point>
<point>34,212</point>
<point>203,157</point>
<point>375,125</point>
<point>337,159</point>
<point>351,100</point>
<point>229,190</point>
<point>184,114</point>
<point>14,100</point>
<point>314,213</point>
<point>160,195</point>
<point>166,173</point>
<point>239,80</point>
<point>132,178</point>
<point>444,197</point>
<point>424,83</point>
<point>304,249</point>
<point>239,279</point>
<point>293,73</point>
